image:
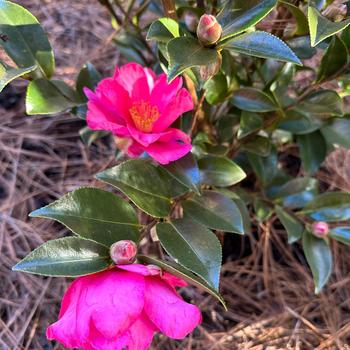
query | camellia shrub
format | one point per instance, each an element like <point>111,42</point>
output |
<point>203,107</point>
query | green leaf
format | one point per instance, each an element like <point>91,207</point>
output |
<point>298,192</point>
<point>301,19</point>
<point>216,211</point>
<point>261,44</point>
<point>185,170</point>
<point>148,186</point>
<point>66,257</point>
<point>216,89</point>
<point>49,97</point>
<point>253,100</point>
<point>300,124</point>
<point>194,247</point>
<point>27,43</point>
<point>321,27</point>
<point>260,145</point>
<point>220,171</point>
<point>292,225</point>
<point>313,151</point>
<point>163,30</point>
<point>319,258</point>
<point>88,77</point>
<point>265,168</point>
<point>322,104</point>
<point>341,234</point>
<point>334,59</point>
<point>337,132</point>
<point>89,136</point>
<point>262,209</point>
<point>7,74</point>
<point>186,52</point>
<point>330,206</point>
<point>182,273</point>
<point>249,123</point>
<point>301,47</point>
<point>239,15</point>
<point>94,214</point>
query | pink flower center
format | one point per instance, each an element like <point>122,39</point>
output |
<point>144,115</point>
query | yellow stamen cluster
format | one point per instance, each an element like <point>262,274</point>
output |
<point>144,115</point>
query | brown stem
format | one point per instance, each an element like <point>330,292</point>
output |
<point>197,112</point>
<point>169,9</point>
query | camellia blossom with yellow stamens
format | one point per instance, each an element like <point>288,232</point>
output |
<point>137,105</point>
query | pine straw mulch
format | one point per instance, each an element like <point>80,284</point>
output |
<point>268,290</point>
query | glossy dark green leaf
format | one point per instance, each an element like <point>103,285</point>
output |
<point>330,206</point>
<point>88,77</point>
<point>49,97</point>
<point>69,257</point>
<point>298,192</point>
<point>334,59</point>
<point>260,145</point>
<point>26,43</point>
<point>148,186</point>
<point>220,171</point>
<point>187,52</point>
<point>319,258</point>
<point>292,225</point>
<point>216,211</point>
<point>322,104</point>
<point>185,170</point>
<point>239,15</point>
<point>341,234</point>
<point>281,84</point>
<point>313,151</point>
<point>337,132</point>
<point>163,30</point>
<point>302,27</point>
<point>7,74</point>
<point>322,28</point>
<point>216,89</point>
<point>182,273</point>
<point>94,214</point>
<point>265,168</point>
<point>249,123</point>
<point>253,100</point>
<point>261,44</point>
<point>194,247</point>
<point>300,124</point>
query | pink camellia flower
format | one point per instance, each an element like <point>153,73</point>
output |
<point>122,308</point>
<point>320,229</point>
<point>137,105</point>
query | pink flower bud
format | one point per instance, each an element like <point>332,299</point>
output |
<point>123,252</point>
<point>320,229</point>
<point>209,30</point>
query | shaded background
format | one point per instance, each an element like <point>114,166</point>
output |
<point>264,281</point>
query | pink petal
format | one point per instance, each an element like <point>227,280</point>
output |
<point>141,333</point>
<point>174,109</point>
<point>136,268</point>
<point>143,138</point>
<point>163,92</point>
<point>166,309</point>
<point>114,95</point>
<point>174,145</point>
<point>135,79</point>
<point>135,150</point>
<point>173,280</point>
<point>98,308</point>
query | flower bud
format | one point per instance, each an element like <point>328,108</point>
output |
<point>209,30</point>
<point>206,72</point>
<point>123,252</point>
<point>320,229</point>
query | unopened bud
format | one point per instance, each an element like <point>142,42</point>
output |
<point>123,252</point>
<point>335,12</point>
<point>209,30</point>
<point>320,229</point>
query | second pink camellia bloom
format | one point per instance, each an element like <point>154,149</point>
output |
<point>137,105</point>
<point>122,308</point>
